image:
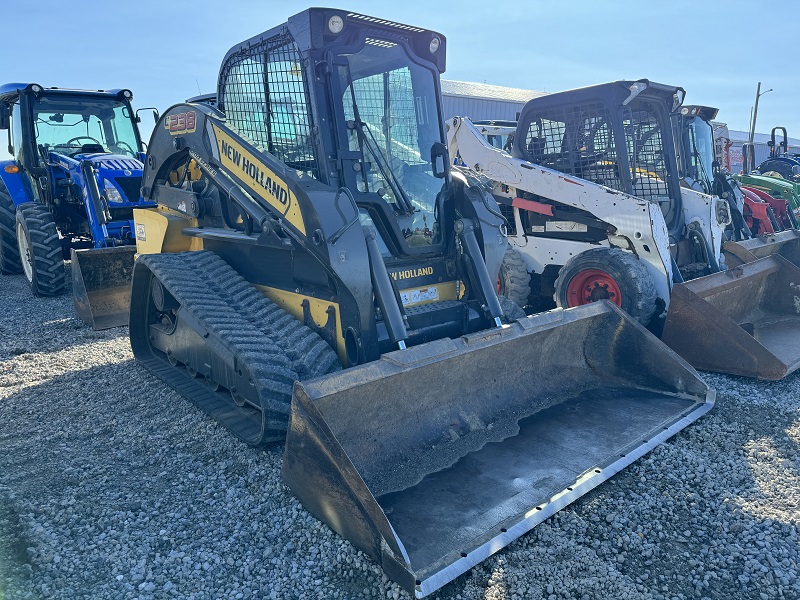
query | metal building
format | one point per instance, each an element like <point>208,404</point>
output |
<point>761,148</point>
<point>481,102</point>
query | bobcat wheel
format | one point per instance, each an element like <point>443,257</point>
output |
<point>607,274</point>
<point>511,310</point>
<point>9,251</point>
<point>40,250</point>
<point>514,281</point>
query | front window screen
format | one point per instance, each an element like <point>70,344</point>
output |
<point>83,125</point>
<point>392,119</point>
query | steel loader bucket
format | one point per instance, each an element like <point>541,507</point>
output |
<point>433,458</point>
<point>101,285</point>
<point>786,243</point>
<point>744,321</point>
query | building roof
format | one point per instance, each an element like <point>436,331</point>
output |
<point>466,89</point>
<point>759,138</point>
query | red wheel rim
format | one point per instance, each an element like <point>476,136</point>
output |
<point>592,285</point>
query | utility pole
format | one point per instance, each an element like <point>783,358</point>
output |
<point>759,93</point>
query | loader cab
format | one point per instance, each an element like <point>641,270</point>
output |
<point>374,127</point>
<point>616,134</point>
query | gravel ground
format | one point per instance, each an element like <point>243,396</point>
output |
<point>112,486</point>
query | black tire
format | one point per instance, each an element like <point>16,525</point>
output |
<point>636,286</point>
<point>783,169</point>
<point>511,310</point>
<point>9,251</point>
<point>514,281</point>
<point>41,248</point>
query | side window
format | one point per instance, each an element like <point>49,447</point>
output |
<point>576,140</point>
<point>16,132</point>
<point>646,150</point>
<point>263,96</point>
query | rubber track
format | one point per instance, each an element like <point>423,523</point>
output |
<point>275,348</point>
<point>9,251</point>
<point>48,259</point>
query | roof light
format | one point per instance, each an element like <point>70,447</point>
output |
<point>434,45</point>
<point>684,111</point>
<point>335,24</point>
<point>36,88</point>
<point>127,94</point>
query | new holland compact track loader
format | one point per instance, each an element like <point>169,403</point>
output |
<point>314,264</point>
<point>597,211</point>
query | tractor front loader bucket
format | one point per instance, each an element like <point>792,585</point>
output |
<point>433,458</point>
<point>743,321</point>
<point>101,285</point>
<point>786,243</point>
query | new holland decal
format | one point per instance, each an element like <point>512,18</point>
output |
<point>260,178</point>
<point>411,273</point>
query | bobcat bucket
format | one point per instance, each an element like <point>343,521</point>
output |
<point>433,458</point>
<point>743,321</point>
<point>101,285</point>
<point>786,243</point>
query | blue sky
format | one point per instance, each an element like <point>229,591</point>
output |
<point>165,51</point>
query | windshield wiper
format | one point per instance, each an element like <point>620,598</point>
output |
<point>385,168</point>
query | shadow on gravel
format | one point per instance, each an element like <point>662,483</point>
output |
<point>14,557</point>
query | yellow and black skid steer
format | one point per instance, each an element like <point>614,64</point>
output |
<point>315,272</point>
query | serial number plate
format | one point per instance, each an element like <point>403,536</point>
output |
<point>421,295</point>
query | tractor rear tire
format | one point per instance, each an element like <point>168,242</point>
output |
<point>607,274</point>
<point>9,251</point>
<point>770,168</point>
<point>40,250</point>
<point>514,281</point>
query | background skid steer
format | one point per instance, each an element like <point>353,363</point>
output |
<point>592,189</point>
<point>317,227</point>
<point>762,225</point>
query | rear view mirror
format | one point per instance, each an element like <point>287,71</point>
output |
<point>5,116</point>
<point>439,160</point>
<point>155,114</point>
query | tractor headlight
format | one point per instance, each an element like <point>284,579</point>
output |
<point>112,193</point>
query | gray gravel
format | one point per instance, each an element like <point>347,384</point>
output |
<point>112,486</point>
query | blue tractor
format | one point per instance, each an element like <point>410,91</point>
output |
<point>781,163</point>
<point>69,192</point>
